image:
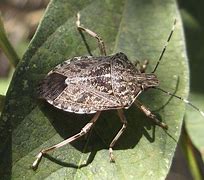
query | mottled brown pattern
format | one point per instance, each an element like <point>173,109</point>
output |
<point>52,86</point>
<point>95,84</point>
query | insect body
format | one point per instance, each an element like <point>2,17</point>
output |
<point>89,84</point>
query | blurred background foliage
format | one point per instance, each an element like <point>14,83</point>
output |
<point>20,19</point>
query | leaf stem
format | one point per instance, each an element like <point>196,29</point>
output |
<point>6,46</point>
<point>190,153</point>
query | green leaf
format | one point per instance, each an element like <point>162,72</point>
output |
<point>2,100</point>
<point>192,14</point>
<point>137,28</point>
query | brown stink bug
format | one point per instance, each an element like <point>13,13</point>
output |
<point>89,84</point>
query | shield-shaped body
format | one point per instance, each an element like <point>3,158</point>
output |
<point>88,84</point>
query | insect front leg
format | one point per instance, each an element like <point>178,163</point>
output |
<point>92,34</point>
<point>149,114</point>
<point>83,131</point>
<point>142,66</point>
<point>124,121</point>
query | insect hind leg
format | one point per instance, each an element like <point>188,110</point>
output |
<point>83,131</point>
<point>120,132</point>
<point>92,34</point>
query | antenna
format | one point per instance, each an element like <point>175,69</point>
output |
<point>164,48</point>
<point>182,99</point>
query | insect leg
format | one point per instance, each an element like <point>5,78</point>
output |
<point>92,34</point>
<point>149,114</point>
<point>83,131</point>
<point>123,120</point>
<point>141,66</point>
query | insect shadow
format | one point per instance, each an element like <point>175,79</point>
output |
<point>66,124</point>
<point>170,97</point>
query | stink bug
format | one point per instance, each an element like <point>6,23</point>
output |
<point>89,84</point>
